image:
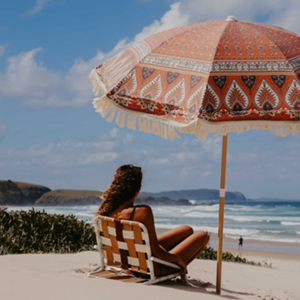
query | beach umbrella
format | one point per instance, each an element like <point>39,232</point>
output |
<point>208,78</point>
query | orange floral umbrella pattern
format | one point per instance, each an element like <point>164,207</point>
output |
<point>212,77</point>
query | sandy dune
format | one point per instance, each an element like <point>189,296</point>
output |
<point>63,276</point>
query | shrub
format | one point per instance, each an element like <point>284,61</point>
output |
<point>211,254</point>
<point>38,232</point>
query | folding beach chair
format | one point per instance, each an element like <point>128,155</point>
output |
<point>125,245</point>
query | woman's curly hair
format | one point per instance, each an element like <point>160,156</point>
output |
<point>126,182</point>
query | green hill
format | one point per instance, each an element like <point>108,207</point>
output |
<point>20,193</point>
<point>151,201</point>
<point>198,195</point>
<point>84,197</point>
<point>32,191</point>
<point>70,197</point>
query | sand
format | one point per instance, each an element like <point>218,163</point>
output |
<point>64,276</point>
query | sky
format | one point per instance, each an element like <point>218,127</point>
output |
<point>51,135</point>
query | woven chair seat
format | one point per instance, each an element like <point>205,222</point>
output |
<point>125,245</point>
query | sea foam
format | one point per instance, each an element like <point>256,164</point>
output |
<point>290,223</point>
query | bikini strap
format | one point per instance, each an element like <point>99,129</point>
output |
<point>132,213</point>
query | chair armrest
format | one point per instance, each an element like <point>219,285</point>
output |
<point>163,262</point>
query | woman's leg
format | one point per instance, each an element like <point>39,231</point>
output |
<point>172,238</point>
<point>190,247</point>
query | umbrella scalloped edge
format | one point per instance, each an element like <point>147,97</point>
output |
<point>166,128</point>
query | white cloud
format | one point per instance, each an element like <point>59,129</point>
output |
<point>114,132</point>
<point>128,139</point>
<point>81,163</point>
<point>257,171</point>
<point>2,50</point>
<point>39,5</point>
<point>25,78</point>
<point>59,157</point>
<point>36,84</point>
<point>172,18</point>
<point>280,13</point>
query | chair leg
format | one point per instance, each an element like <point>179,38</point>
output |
<point>186,281</point>
<point>160,279</point>
<point>97,270</point>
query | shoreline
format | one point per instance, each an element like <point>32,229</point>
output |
<point>251,245</point>
<point>214,238</point>
<point>260,256</point>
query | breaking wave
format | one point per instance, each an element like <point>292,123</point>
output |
<point>257,221</point>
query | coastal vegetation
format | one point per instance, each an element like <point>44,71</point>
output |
<point>36,231</point>
<point>211,254</point>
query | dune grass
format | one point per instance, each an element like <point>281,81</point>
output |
<point>211,254</point>
<point>38,232</point>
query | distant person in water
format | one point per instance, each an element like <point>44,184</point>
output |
<point>180,245</point>
<point>241,242</point>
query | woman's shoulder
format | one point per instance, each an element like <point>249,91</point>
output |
<point>143,212</point>
<point>143,207</point>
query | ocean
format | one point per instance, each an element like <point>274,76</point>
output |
<point>261,221</point>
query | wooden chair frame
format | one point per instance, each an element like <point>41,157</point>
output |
<point>133,250</point>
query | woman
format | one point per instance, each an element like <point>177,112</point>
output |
<point>180,245</point>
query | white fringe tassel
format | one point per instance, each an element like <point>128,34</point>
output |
<point>97,83</point>
<point>166,128</point>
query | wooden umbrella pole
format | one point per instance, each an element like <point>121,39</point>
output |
<point>221,214</point>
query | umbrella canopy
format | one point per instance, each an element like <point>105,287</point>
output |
<point>212,77</point>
